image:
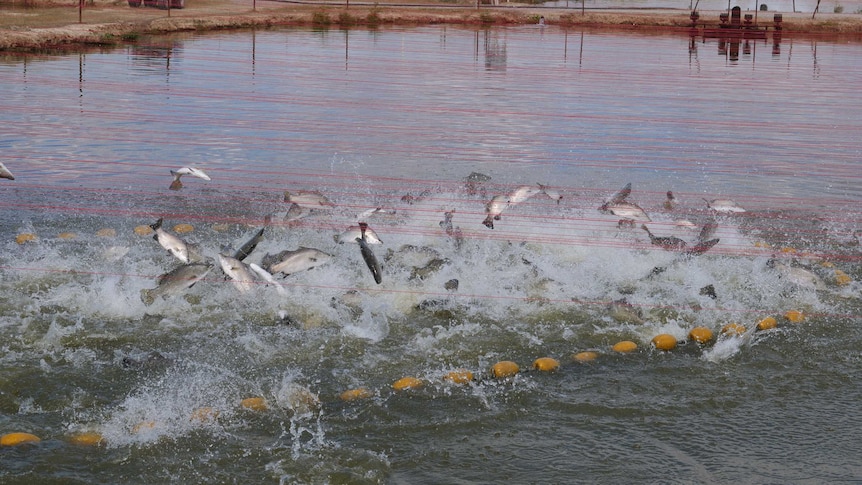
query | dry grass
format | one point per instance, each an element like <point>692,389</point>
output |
<point>33,24</point>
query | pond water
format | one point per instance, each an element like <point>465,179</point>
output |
<point>414,131</point>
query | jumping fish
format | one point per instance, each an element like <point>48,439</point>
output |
<point>185,252</point>
<point>670,243</point>
<point>551,193</point>
<point>523,193</point>
<point>363,216</point>
<point>238,272</point>
<point>5,173</point>
<point>723,205</point>
<point>628,210</point>
<point>370,260</point>
<point>670,202</point>
<point>494,209</point>
<point>308,198</point>
<point>707,230</point>
<point>267,276</point>
<point>797,276</point>
<point>361,230</point>
<point>701,247</point>
<point>181,278</point>
<point>295,212</point>
<point>617,198</point>
<point>194,172</point>
<point>252,243</point>
<point>289,262</point>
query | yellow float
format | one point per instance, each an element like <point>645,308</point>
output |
<point>504,368</point>
<point>624,347</point>
<point>767,323</point>
<point>355,394</point>
<point>106,232</point>
<point>87,438</point>
<point>546,364</point>
<point>842,278</point>
<point>584,357</point>
<point>183,228</point>
<point>254,403</point>
<point>143,230</point>
<point>67,235</point>
<point>664,341</point>
<point>733,329</point>
<point>13,439</point>
<point>204,414</point>
<point>701,335</point>
<point>25,238</point>
<point>460,376</point>
<point>794,316</point>
<point>406,383</point>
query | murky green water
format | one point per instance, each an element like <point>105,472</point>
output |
<point>399,119</point>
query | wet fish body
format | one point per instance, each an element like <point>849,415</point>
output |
<point>240,274</point>
<point>495,209</point>
<point>723,205</point>
<point>267,276</point>
<point>249,246</point>
<point>308,198</point>
<point>617,198</point>
<point>628,210</point>
<point>5,173</point>
<point>522,194</point>
<point>670,243</point>
<point>370,260</point>
<point>176,246</point>
<point>360,231</point>
<point>289,262</point>
<point>194,172</point>
<point>551,193</point>
<point>179,279</point>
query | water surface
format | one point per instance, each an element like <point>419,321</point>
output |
<point>399,119</point>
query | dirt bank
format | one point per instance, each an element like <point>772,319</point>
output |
<point>37,26</point>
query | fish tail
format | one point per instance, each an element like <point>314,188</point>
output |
<point>157,224</point>
<point>176,184</point>
<point>489,222</point>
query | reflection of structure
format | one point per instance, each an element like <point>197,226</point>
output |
<point>495,52</point>
<point>731,46</point>
<point>157,56</point>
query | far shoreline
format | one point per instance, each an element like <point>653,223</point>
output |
<point>114,22</point>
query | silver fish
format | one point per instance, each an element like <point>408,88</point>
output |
<point>494,209</point>
<point>362,217</point>
<point>252,243</point>
<point>179,279</point>
<point>308,198</point>
<point>185,252</point>
<point>723,205</point>
<point>523,193</point>
<point>670,243</point>
<point>797,276</point>
<point>628,210</point>
<point>296,212</point>
<point>5,173</point>
<point>363,231</point>
<point>289,262</point>
<point>194,172</point>
<point>551,193</point>
<point>239,273</point>
<point>370,260</point>
<point>617,198</point>
<point>267,276</point>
